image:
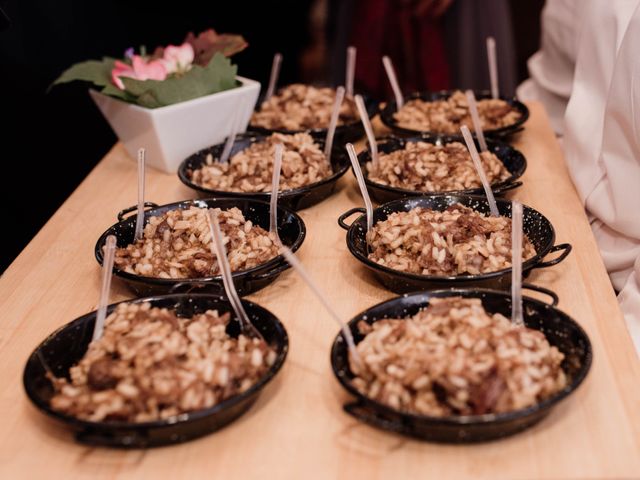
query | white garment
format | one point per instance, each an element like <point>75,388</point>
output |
<point>629,299</point>
<point>602,141</point>
<point>551,68</point>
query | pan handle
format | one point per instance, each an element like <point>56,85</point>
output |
<point>121,215</point>
<point>507,187</point>
<point>505,134</point>
<point>347,214</point>
<point>366,414</point>
<point>189,286</point>
<point>546,291</point>
<point>566,250</point>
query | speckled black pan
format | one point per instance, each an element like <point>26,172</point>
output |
<point>535,226</point>
<point>291,229</point>
<point>296,199</point>
<point>559,329</point>
<point>344,133</point>
<point>386,115</point>
<point>511,158</point>
<point>66,346</point>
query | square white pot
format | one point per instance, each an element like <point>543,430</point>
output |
<point>172,133</point>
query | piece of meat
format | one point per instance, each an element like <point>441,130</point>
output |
<point>161,228</point>
<point>100,376</point>
<point>467,227</point>
<point>485,396</point>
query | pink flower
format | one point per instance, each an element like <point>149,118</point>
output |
<point>178,59</point>
<point>140,69</point>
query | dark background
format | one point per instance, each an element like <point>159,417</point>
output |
<point>53,139</point>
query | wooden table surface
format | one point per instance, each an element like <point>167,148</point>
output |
<point>298,429</point>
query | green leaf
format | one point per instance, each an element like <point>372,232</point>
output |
<point>217,76</point>
<point>97,72</point>
<point>115,92</point>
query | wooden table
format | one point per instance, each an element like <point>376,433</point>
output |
<point>297,429</point>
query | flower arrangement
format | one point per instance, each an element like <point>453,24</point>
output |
<point>172,74</point>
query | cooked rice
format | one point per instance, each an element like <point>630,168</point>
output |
<point>448,115</point>
<point>251,170</point>
<point>425,167</point>
<point>454,358</point>
<point>151,365</point>
<point>177,244</point>
<point>456,241</point>
<point>302,107</point>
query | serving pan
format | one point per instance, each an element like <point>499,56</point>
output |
<point>386,115</point>
<point>513,160</point>
<point>296,198</point>
<point>291,229</point>
<point>559,329</point>
<point>344,133</point>
<point>535,225</point>
<point>66,346</point>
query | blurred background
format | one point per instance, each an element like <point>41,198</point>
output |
<point>56,137</point>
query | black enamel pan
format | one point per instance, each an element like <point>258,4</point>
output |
<point>386,115</point>
<point>344,133</point>
<point>66,346</point>
<point>296,199</point>
<point>535,225</point>
<point>559,329</point>
<point>511,158</point>
<point>291,229</point>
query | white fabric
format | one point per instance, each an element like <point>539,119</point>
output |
<point>602,141</point>
<point>604,24</point>
<point>629,299</point>
<point>551,68</point>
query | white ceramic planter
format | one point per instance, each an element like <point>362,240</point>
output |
<point>170,134</point>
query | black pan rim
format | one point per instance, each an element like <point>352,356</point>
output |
<point>266,267</point>
<point>526,265</point>
<point>466,420</point>
<point>491,143</point>
<point>342,165</point>
<point>386,114</point>
<point>372,106</point>
<point>179,419</point>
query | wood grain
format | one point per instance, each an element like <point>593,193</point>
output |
<point>298,429</point>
